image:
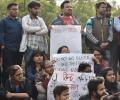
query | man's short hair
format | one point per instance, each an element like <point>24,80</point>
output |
<point>59,89</point>
<point>33,4</point>
<point>10,5</point>
<point>108,5</point>
<point>63,3</point>
<point>97,6</point>
<point>83,66</point>
<point>93,84</point>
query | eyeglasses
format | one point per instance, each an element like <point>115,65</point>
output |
<point>19,74</point>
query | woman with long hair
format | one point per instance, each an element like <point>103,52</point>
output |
<point>35,65</point>
<point>111,83</point>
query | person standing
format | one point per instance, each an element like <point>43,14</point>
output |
<point>35,31</point>
<point>99,31</point>
<point>117,42</point>
<point>66,17</point>
<point>10,38</point>
<point>114,50</point>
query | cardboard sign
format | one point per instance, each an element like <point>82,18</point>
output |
<point>77,83</point>
<point>71,62</point>
<point>65,35</point>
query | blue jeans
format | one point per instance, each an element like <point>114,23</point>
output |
<point>27,56</point>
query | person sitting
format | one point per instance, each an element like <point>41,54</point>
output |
<point>35,65</point>
<point>99,58</point>
<point>84,67</point>
<point>63,49</point>
<point>111,84</point>
<point>96,90</point>
<point>18,87</point>
<point>61,92</point>
<point>99,62</point>
<point>42,79</point>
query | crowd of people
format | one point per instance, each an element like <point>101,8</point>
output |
<point>24,40</point>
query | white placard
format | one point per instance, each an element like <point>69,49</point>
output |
<point>65,35</point>
<point>71,62</point>
<point>77,83</point>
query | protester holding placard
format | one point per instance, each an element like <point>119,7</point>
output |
<point>66,17</point>
<point>65,30</point>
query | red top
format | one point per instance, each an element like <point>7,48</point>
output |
<point>68,20</point>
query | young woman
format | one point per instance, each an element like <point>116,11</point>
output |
<point>42,79</point>
<point>63,49</point>
<point>35,65</point>
<point>111,84</point>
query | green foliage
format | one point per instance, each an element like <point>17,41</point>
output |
<point>82,9</point>
<point>49,11</point>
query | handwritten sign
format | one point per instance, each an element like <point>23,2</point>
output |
<point>76,82</point>
<point>70,62</point>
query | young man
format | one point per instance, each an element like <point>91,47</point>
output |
<point>66,17</point>
<point>114,50</point>
<point>61,92</point>
<point>10,38</point>
<point>99,31</point>
<point>34,31</point>
<point>108,10</point>
<point>96,90</point>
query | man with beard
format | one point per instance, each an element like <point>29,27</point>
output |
<point>108,10</point>
<point>35,31</point>
<point>96,90</point>
<point>66,17</point>
<point>98,31</point>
